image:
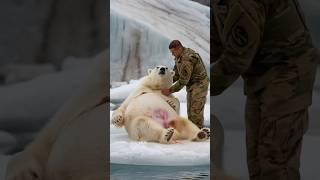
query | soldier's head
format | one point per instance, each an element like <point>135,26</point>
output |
<point>176,48</point>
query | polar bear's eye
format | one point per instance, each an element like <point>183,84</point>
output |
<point>166,68</point>
<point>157,67</point>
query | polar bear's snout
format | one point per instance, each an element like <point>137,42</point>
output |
<point>162,70</point>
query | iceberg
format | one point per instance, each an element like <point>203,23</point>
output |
<point>142,30</point>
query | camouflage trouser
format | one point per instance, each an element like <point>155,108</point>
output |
<point>196,99</point>
<point>273,141</point>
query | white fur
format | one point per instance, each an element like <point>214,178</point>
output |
<point>73,144</point>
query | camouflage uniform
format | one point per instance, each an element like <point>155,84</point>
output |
<point>190,71</point>
<point>269,45</point>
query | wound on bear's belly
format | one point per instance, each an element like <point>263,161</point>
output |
<point>161,116</point>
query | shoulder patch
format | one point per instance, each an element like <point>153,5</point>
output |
<point>186,58</point>
<point>240,36</point>
<point>194,58</point>
<point>240,31</point>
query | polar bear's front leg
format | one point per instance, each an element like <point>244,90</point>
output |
<point>117,118</point>
<point>118,115</point>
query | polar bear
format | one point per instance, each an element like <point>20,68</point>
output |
<point>150,116</point>
<point>73,144</point>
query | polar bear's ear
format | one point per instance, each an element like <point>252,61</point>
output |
<point>149,71</point>
<point>172,73</point>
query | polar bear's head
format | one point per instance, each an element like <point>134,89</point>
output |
<point>159,77</point>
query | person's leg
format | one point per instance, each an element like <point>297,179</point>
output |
<point>197,102</point>
<point>189,103</point>
<point>280,145</point>
<point>218,141</point>
<point>252,118</point>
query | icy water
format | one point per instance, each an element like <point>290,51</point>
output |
<point>133,172</point>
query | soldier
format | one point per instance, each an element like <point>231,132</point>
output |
<point>189,71</point>
<point>268,44</point>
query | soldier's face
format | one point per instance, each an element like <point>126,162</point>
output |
<point>175,52</point>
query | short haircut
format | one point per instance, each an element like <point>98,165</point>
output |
<point>175,44</point>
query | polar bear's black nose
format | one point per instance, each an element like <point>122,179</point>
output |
<point>162,70</point>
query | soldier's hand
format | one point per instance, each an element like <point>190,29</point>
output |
<point>166,92</point>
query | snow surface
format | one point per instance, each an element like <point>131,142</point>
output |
<point>125,151</point>
<point>33,102</point>
<point>21,72</point>
<point>141,31</point>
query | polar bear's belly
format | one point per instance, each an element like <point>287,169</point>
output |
<point>161,116</point>
<point>153,106</point>
<point>80,150</point>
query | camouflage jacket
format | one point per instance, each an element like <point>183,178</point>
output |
<point>263,41</point>
<point>189,69</point>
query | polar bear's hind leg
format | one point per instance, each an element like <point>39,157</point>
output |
<point>187,130</point>
<point>202,135</point>
<point>207,131</point>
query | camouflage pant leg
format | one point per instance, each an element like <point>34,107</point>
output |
<point>218,140</point>
<point>196,99</point>
<point>280,145</point>
<point>274,143</point>
<point>253,121</point>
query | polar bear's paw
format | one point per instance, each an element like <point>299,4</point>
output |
<point>167,136</point>
<point>117,119</point>
<point>206,130</point>
<point>202,135</point>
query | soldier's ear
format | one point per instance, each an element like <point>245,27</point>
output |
<point>149,71</point>
<point>172,73</point>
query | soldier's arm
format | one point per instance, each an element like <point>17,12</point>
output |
<point>176,74</point>
<point>242,34</point>
<point>184,75</point>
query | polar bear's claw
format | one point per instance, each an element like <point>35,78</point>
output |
<point>167,136</point>
<point>118,120</point>
<point>172,104</point>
